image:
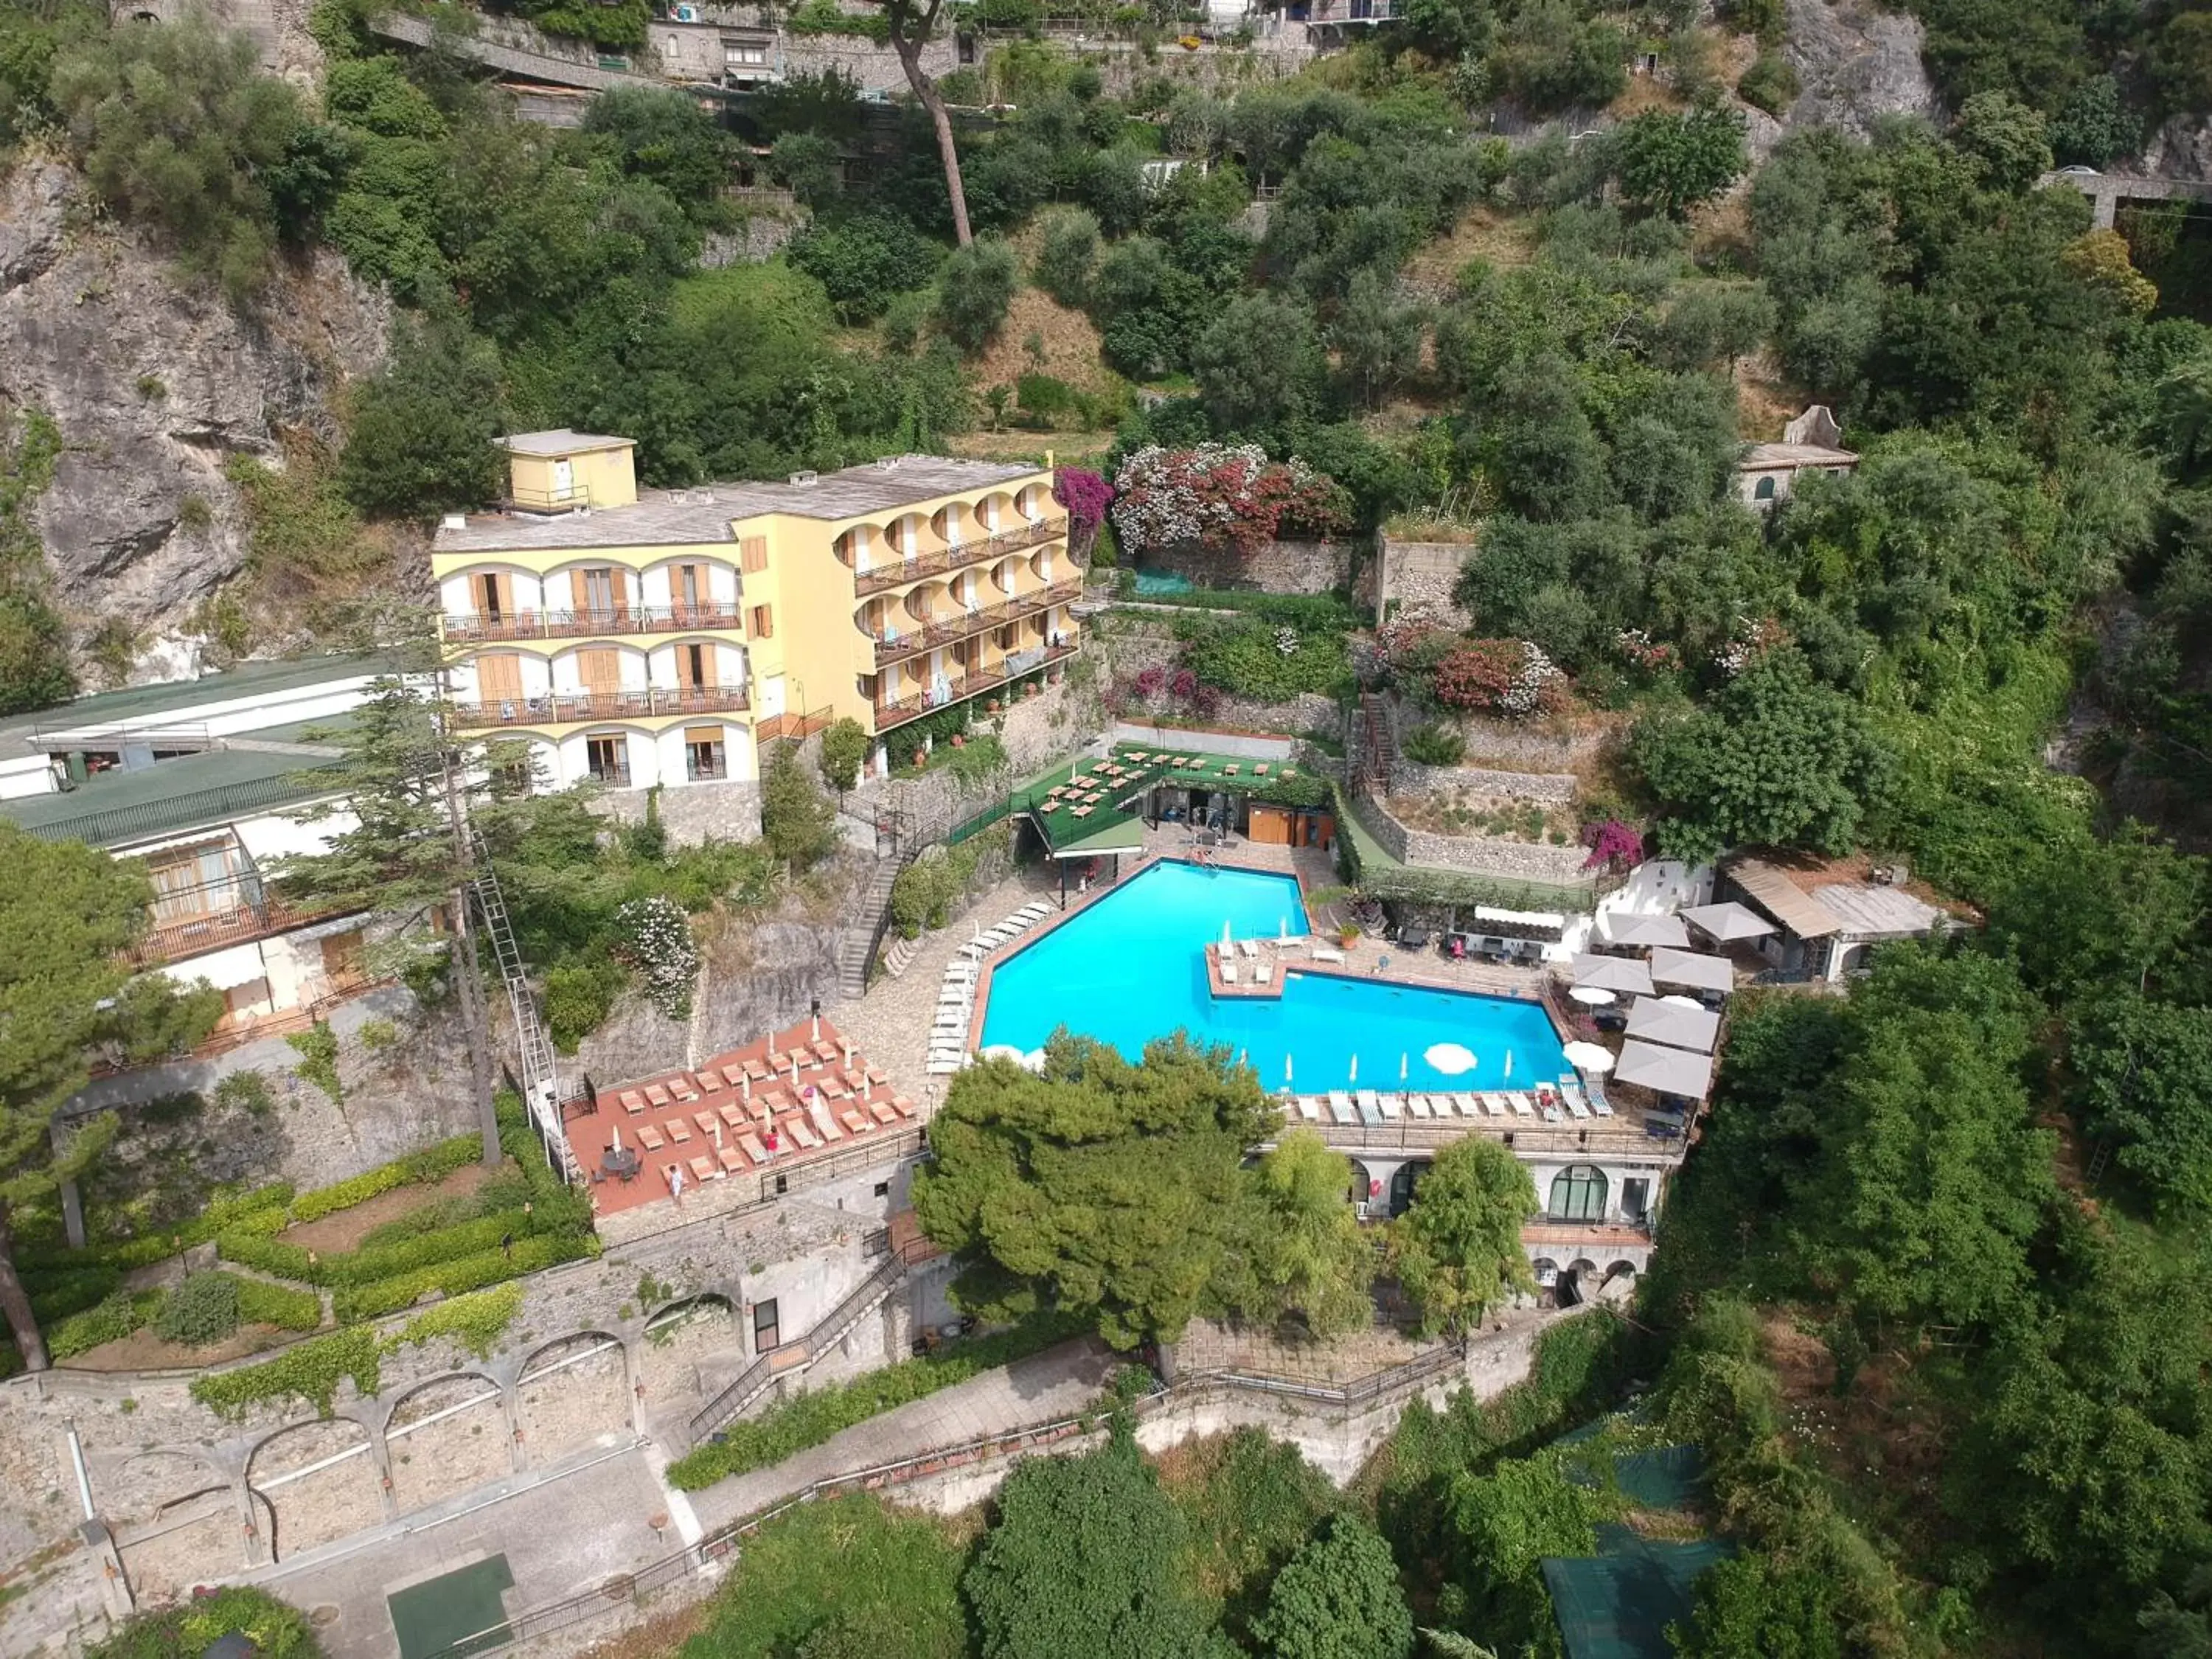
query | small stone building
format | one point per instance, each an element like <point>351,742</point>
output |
<point>1812,443</point>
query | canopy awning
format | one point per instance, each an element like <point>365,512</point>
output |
<point>1664,1071</point>
<point>1550,920</point>
<point>1613,974</point>
<point>1617,927</point>
<point>1126,836</point>
<point>1680,1028</point>
<point>1688,968</point>
<point>1725,923</point>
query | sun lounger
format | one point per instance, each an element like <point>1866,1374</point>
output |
<point>649,1138</point>
<point>703,1169</point>
<point>941,1067</point>
<point>1601,1105</point>
<point>750,1147</point>
<point>758,1070</point>
<point>854,1122</point>
<point>1341,1107</point>
<point>1309,1108</point>
<point>1327,955</point>
<point>708,1083</point>
<point>1466,1106</point>
<point>1037,909</point>
<point>706,1121</point>
<point>881,1111</point>
<point>1521,1102</point>
<point>632,1102</point>
<point>679,1088</point>
<point>656,1096</point>
<point>903,1106</point>
<point>1577,1105</point>
<point>803,1133</point>
<point>1393,1107</point>
<point>1418,1105</point>
<point>1262,972</point>
<point>730,1159</point>
<point>1229,972</point>
<point>678,1131</point>
<point>734,1115</point>
<point>1371,1105</point>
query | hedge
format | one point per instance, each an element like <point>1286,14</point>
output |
<point>470,1237</point>
<point>812,1418</point>
<point>260,1303</point>
<point>468,1272</point>
<point>55,1297</point>
<point>416,1168</point>
<point>115,1318</point>
<point>144,1252</point>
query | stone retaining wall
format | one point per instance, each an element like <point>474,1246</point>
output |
<point>1291,566</point>
<point>1510,860</point>
<point>1412,778</point>
<point>1416,573</point>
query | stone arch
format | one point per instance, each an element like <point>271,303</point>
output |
<point>1403,1182</point>
<point>446,1435</point>
<point>1852,959</point>
<point>572,1391</point>
<point>319,1480</point>
<point>1362,1183</point>
<point>143,1484</point>
<point>176,1520</point>
<point>701,1336</point>
<point>1547,1272</point>
<point>995,511</point>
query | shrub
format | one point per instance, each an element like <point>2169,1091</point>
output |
<point>1503,677</point>
<point>976,288</point>
<point>260,1303</point>
<point>377,1034</point>
<point>1771,84</point>
<point>862,261</point>
<point>1229,496</point>
<point>844,752</point>
<point>468,1272</point>
<point>246,1091</point>
<point>278,1631</point>
<point>1068,247</point>
<point>201,1310</point>
<point>115,1318</point>
<point>318,1048</point>
<point>797,822</point>
<point>1433,744</point>
<point>307,1371</point>
<point>654,938</point>
<point>578,996</point>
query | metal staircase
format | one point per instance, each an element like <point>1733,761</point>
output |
<point>1378,747</point>
<point>794,1357</point>
<point>541,1082</point>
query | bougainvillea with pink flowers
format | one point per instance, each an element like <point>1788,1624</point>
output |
<point>1613,845</point>
<point>1226,496</point>
<point>1086,496</point>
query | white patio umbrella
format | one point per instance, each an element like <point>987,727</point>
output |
<point>1241,1054</point>
<point>817,1035</point>
<point>1591,996</point>
<point>1509,1062</point>
<point>1286,1074</point>
<point>617,1147</point>
<point>745,1086</point>
<point>1451,1058</point>
<point>1283,928</point>
<point>1589,1057</point>
<point>1727,922</point>
<point>795,1071</point>
<point>849,1055</point>
<point>1225,934</point>
<point>1680,1001</point>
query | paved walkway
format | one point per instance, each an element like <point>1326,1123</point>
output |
<point>1058,1382</point>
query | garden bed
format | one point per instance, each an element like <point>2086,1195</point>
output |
<point>143,1351</point>
<point>343,1230</point>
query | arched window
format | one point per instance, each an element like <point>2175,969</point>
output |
<point>1578,1193</point>
<point>1763,490</point>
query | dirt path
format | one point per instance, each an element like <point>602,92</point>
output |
<point>345,1230</point>
<point>143,1351</point>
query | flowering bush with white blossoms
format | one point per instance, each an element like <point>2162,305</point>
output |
<point>1229,496</point>
<point>1539,684</point>
<point>1752,639</point>
<point>655,940</point>
<point>1287,641</point>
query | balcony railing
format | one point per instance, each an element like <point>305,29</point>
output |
<point>960,555</point>
<point>558,708</point>
<point>238,912</point>
<point>892,714</point>
<point>964,624</point>
<point>474,628</point>
<point>551,501</point>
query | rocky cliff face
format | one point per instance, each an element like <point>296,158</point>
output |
<point>154,388</point>
<point>1855,62</point>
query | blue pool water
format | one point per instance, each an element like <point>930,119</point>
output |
<point>1131,968</point>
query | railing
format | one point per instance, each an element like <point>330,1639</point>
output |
<point>254,914</point>
<point>471,628</point>
<point>953,557</point>
<point>1622,1132</point>
<point>795,727</point>
<point>551,501</point>
<point>891,715</point>
<point>108,826</point>
<point>554,709</point>
<point>964,624</point>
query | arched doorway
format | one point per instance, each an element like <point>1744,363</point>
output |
<point>1578,1193</point>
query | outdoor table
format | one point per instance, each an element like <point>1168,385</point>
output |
<point>622,1162</point>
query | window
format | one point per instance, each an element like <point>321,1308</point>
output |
<point>600,594</point>
<point>883,1189</point>
<point>688,585</point>
<point>764,1326</point>
<point>692,666</point>
<point>764,622</point>
<point>607,759</point>
<point>702,753</point>
<point>1635,1198</point>
<point>493,598</point>
<point>193,882</point>
<point>744,54</point>
<point>1763,490</point>
<point>752,555</point>
<point>499,680</point>
<point>1578,1193</point>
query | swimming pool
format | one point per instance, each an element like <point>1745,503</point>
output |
<point>1131,968</point>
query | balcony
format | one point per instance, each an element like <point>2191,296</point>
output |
<point>239,913</point>
<point>556,709</point>
<point>965,624</point>
<point>957,556</point>
<point>892,716</point>
<point>475,628</point>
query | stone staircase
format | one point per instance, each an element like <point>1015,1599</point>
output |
<point>1376,747</point>
<point>871,918</point>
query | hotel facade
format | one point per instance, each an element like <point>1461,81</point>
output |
<point>659,638</point>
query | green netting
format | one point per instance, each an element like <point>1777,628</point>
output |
<point>1670,1479</point>
<point>1617,1605</point>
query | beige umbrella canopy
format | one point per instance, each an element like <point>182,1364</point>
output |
<point>1727,922</point>
<point>1613,974</point>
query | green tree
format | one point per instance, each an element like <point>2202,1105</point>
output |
<point>2091,915</point>
<point>1096,1186</point>
<point>2094,127</point>
<point>1457,1249</point>
<point>67,911</point>
<point>1259,364</point>
<point>798,821</point>
<point>974,289</point>
<point>662,135</point>
<point>178,126</point>
<point>1306,1254</point>
<point>807,164</point>
<point>1338,1598</point>
<point>911,23</point>
<point>844,752</point>
<point>1083,1561</point>
<point>1754,1607</point>
<point>2007,137</point>
<point>422,434</point>
<point>1067,247</point>
<point>1377,334</point>
<point>1670,162</point>
<point>34,664</point>
<point>2143,1073</point>
<point>409,790</point>
<point>862,260</point>
<point>1774,760</point>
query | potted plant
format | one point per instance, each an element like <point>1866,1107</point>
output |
<point>958,741</point>
<point>920,759</point>
<point>1348,934</point>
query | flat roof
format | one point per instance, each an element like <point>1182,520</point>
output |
<point>192,792</point>
<point>675,518</point>
<point>562,441</point>
<point>146,703</point>
<point>1863,908</point>
<point>1769,886</point>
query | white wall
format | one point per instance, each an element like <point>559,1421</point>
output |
<point>29,775</point>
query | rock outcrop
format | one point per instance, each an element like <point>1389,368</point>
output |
<point>1857,62</point>
<point>156,385</point>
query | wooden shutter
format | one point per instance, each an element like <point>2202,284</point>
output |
<point>600,667</point>
<point>580,596</point>
<point>499,676</point>
<point>764,622</point>
<point>703,734</point>
<point>752,553</point>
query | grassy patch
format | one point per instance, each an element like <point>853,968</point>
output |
<point>1248,1503</point>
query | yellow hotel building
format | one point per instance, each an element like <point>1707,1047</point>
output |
<point>643,637</point>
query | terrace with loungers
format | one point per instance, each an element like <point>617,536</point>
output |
<point>797,1109</point>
